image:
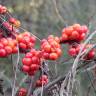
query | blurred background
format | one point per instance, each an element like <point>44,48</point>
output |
<point>45,17</point>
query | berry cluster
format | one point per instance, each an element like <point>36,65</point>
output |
<point>42,81</point>
<point>8,27</point>
<point>51,48</point>
<point>26,41</point>
<point>31,62</point>
<point>11,40</point>
<point>3,9</point>
<point>22,92</point>
<point>8,46</point>
<point>75,33</point>
<point>14,22</point>
<point>74,50</point>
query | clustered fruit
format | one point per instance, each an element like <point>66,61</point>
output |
<point>13,21</point>
<point>31,62</point>
<point>74,50</point>
<point>8,46</point>
<point>26,41</point>
<point>75,33</point>
<point>51,49</point>
<point>42,81</point>
<point>3,9</point>
<point>22,92</point>
<point>12,41</point>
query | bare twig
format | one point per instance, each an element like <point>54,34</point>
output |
<point>57,12</point>
<point>30,87</point>
<point>42,84</point>
<point>15,68</point>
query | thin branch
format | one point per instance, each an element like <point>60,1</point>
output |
<point>30,87</point>
<point>91,81</point>
<point>15,68</point>
<point>42,83</point>
<point>57,12</point>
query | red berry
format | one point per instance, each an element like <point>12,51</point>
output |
<point>44,77</point>
<point>27,61</point>
<point>53,56</point>
<point>12,20</point>
<point>26,39</point>
<point>68,30</point>
<point>15,50</point>
<point>25,68</point>
<point>8,49</point>
<point>58,51</point>
<point>47,48</point>
<point>23,90</point>
<point>29,55</point>
<point>46,55</point>
<point>64,37</point>
<point>75,35</point>
<point>57,39</point>
<point>84,28</point>
<point>35,60</point>
<point>22,45</point>
<point>27,34</point>
<point>30,45</point>
<point>4,41</point>
<point>32,39</point>
<point>82,36</point>
<point>2,53</point>
<point>1,46</point>
<point>76,27</point>
<point>31,73</point>
<point>91,54</point>
<point>34,67</point>
<point>72,51</point>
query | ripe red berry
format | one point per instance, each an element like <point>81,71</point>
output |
<point>58,51</point>
<point>22,45</point>
<point>75,35</point>
<point>32,39</point>
<point>82,36</point>
<point>12,20</point>
<point>26,34</point>
<point>8,49</point>
<point>26,39</point>
<point>84,28</point>
<point>2,53</point>
<point>4,41</point>
<point>53,56</point>
<point>29,55</point>
<point>47,48</point>
<point>42,81</point>
<point>27,61</point>
<point>46,55</point>
<point>57,39</point>
<point>15,50</point>
<point>25,68</point>
<point>35,60</point>
<point>91,54</point>
<point>22,92</point>
<point>72,51</point>
<point>68,31</point>
<point>1,46</point>
<point>34,67</point>
<point>76,27</point>
<point>64,37</point>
